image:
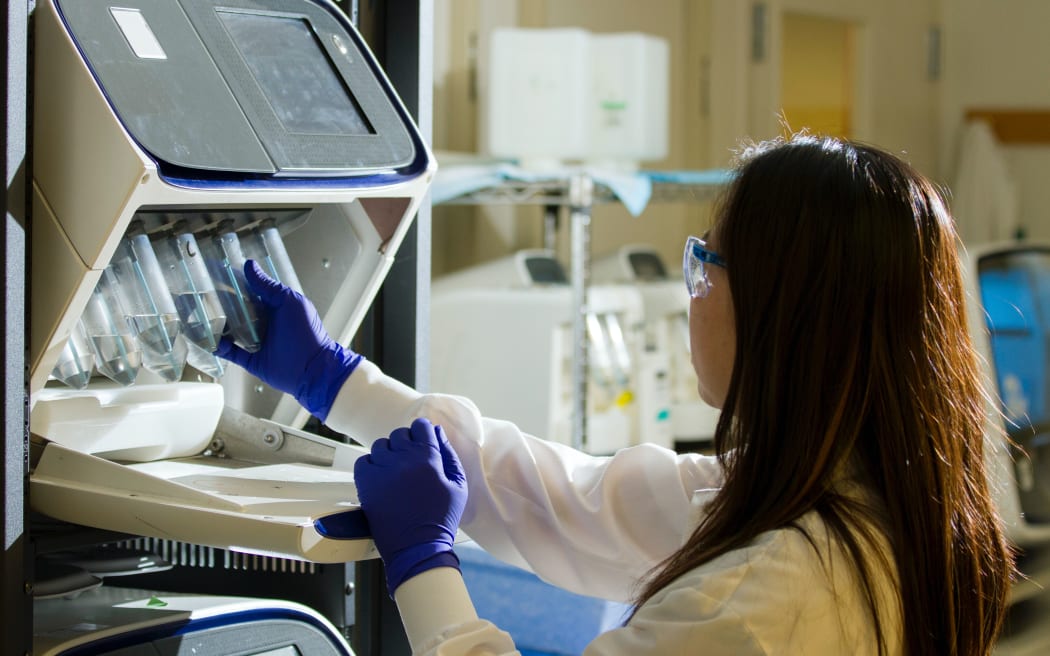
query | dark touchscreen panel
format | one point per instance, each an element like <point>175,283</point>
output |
<point>295,74</point>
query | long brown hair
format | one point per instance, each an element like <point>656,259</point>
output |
<point>853,356</point>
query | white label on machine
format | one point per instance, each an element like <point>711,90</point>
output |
<point>138,33</point>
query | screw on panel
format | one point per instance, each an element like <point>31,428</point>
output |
<point>273,439</point>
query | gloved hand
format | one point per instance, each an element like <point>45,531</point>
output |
<point>297,356</point>
<point>412,490</point>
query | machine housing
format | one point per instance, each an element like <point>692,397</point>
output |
<point>151,115</point>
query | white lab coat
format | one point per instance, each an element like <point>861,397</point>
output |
<point>595,526</point>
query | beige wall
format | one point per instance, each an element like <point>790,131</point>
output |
<point>460,235</point>
<point>994,54</point>
<point>896,104</point>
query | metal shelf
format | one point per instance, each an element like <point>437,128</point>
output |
<point>556,193</point>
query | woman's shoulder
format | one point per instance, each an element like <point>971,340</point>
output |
<point>790,588</point>
<point>791,556</point>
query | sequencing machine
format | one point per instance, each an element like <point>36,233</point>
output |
<point>172,140</point>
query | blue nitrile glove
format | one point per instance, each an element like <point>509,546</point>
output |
<point>297,356</point>
<point>413,490</point>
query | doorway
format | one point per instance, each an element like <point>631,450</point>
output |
<point>818,74</point>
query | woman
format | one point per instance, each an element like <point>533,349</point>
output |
<point>847,509</point>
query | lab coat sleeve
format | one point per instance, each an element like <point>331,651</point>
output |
<point>590,525</point>
<point>440,619</point>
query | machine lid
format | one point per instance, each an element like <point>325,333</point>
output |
<point>256,87</point>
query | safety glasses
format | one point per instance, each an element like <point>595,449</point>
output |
<point>694,259</point>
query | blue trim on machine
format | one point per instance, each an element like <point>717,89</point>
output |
<point>349,525</point>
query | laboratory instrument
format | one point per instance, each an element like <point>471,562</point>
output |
<point>173,140</point>
<point>501,335</point>
<point>1009,316</point>
<point>666,330</point>
<point>564,94</point>
<point>133,622</point>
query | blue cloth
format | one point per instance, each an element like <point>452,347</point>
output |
<point>713,177</point>
<point>542,619</point>
<point>632,188</point>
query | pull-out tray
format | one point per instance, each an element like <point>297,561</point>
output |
<point>259,487</point>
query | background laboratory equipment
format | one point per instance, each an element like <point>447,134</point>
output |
<point>565,94</point>
<point>1010,322</point>
<point>666,336</point>
<point>511,320</point>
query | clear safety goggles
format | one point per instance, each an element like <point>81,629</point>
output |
<point>694,259</point>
